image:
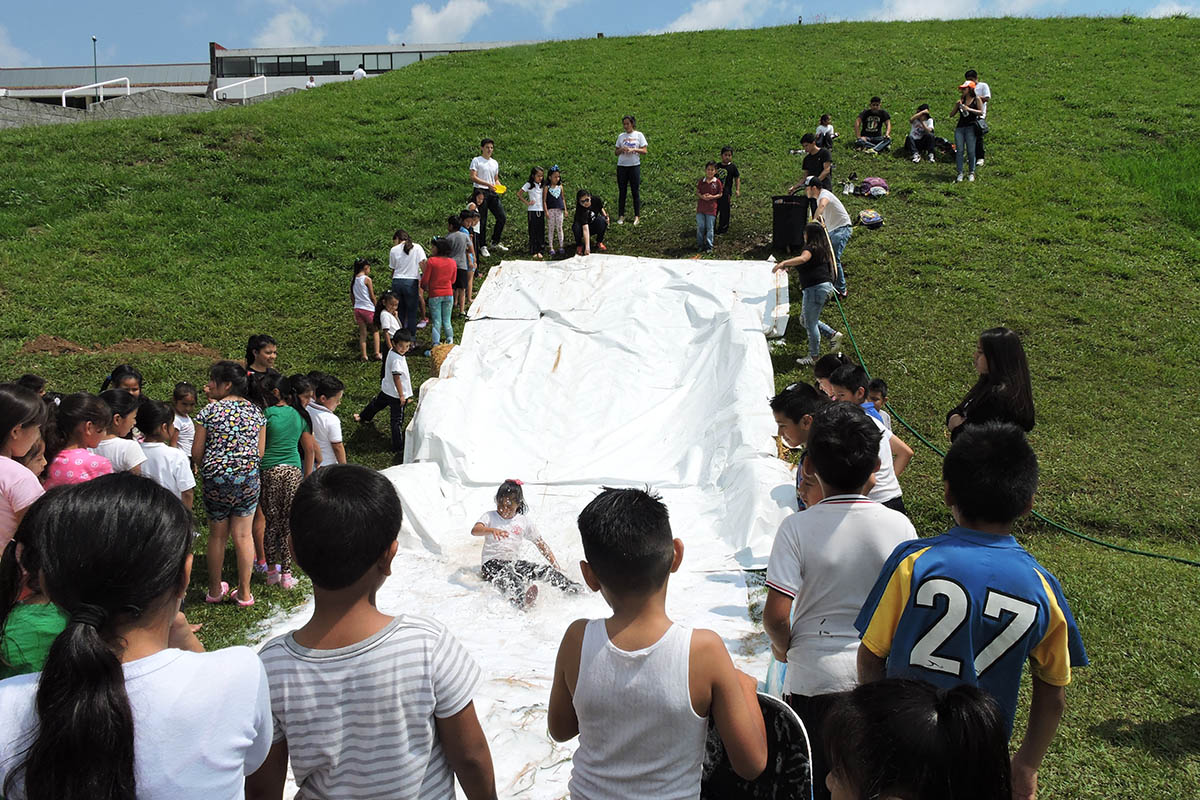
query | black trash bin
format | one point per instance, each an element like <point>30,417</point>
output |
<point>790,212</point>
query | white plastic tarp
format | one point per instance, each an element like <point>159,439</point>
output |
<point>597,371</point>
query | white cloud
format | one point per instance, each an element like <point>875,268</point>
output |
<point>1169,8</point>
<point>709,14</point>
<point>13,56</point>
<point>450,24</point>
<point>926,9</point>
<point>545,10</point>
<point>289,28</point>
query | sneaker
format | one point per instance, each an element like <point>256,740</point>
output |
<point>260,567</point>
<point>971,177</point>
<point>916,158</point>
<point>620,220</point>
<point>931,157</point>
<point>272,577</point>
<point>500,247</point>
<point>428,353</point>
<point>422,324</point>
<point>835,344</point>
<point>537,255</point>
<point>483,251</point>
<point>637,220</point>
<point>959,179</point>
<point>979,162</point>
<point>286,581</point>
<point>807,361</point>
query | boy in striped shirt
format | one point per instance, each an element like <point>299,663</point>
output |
<point>366,705</point>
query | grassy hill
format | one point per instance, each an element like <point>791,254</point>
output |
<point>1080,234</point>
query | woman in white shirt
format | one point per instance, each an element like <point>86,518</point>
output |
<point>120,702</point>
<point>631,146</point>
<point>407,260</point>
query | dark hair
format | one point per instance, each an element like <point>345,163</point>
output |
<point>851,377</point>
<point>402,335</point>
<point>72,411</point>
<point>120,402</point>
<point>808,138</point>
<point>118,375</point>
<point>299,384</point>
<point>582,193</point>
<point>483,142</point>
<point>971,75</point>
<point>326,385</point>
<point>360,264</point>
<point>900,737</point>
<point>923,107</point>
<point>991,472</point>
<point>876,100</point>
<point>269,389</point>
<point>825,118</point>
<point>627,539</point>
<point>1007,379</point>
<point>827,363</point>
<point>708,164</point>
<point>453,222</point>
<point>798,401</point>
<point>816,240</point>
<point>511,490</point>
<point>112,549</point>
<point>477,191</point>
<point>183,389</point>
<point>232,373</point>
<point>19,406</point>
<point>533,174</point>
<point>381,303</point>
<point>152,415</point>
<point>632,119</point>
<point>843,446</point>
<point>256,343</point>
<point>17,575</point>
<point>554,171</point>
<point>440,246</point>
<point>726,149</point>
<point>38,448</point>
<point>361,505</point>
<point>878,385</point>
<point>402,236</point>
<point>468,213</point>
<point>30,381</point>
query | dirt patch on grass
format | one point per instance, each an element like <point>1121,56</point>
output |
<point>57,345</point>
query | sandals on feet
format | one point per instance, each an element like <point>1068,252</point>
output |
<point>233,595</point>
<point>208,598</point>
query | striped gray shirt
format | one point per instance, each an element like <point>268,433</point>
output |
<point>359,720</point>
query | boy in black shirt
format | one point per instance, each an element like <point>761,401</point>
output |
<point>818,169</point>
<point>873,128</point>
<point>728,174</point>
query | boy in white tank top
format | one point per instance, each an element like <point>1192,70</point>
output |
<point>636,688</point>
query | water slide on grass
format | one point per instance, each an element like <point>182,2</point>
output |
<point>597,371</point>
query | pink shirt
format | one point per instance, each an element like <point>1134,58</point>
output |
<point>77,466</point>
<point>18,489</point>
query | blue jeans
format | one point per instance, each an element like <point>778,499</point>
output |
<point>876,143</point>
<point>407,290</point>
<point>705,223</point>
<point>815,298</point>
<point>964,139</point>
<point>838,238</point>
<point>439,318</point>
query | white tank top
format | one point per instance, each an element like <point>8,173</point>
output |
<point>362,298</point>
<point>638,733</point>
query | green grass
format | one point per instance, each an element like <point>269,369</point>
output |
<point>1080,234</point>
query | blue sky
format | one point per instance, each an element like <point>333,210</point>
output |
<point>141,32</point>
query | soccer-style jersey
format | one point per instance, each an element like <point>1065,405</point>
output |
<point>971,607</point>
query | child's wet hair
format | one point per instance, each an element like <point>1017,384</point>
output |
<point>511,490</point>
<point>627,540</point>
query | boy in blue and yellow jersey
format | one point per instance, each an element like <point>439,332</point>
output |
<point>971,606</point>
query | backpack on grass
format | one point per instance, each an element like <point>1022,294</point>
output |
<point>870,218</point>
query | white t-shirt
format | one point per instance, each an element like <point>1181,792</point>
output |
<point>827,558</point>
<point>359,74</point>
<point>125,454</point>
<point>835,215</point>
<point>187,433</point>
<point>327,430</point>
<point>485,169</point>
<point>887,486</point>
<point>921,128</point>
<point>396,364</point>
<point>534,190</point>
<point>167,467</point>
<point>201,723</point>
<point>406,265</point>
<point>635,139</point>
<point>520,528</point>
<point>18,489</point>
<point>984,93</point>
<point>361,294</point>
<point>311,84</point>
<point>389,323</point>
<point>361,721</point>
<point>823,130</point>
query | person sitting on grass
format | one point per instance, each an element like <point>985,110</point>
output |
<point>127,704</point>
<point>503,530</point>
<point>591,219</point>
<point>823,563</point>
<point>366,704</point>
<point>1003,392</point>
<point>794,408</point>
<point>849,384</point>
<point>972,606</point>
<point>817,274</point>
<point>906,738</point>
<point>873,128</point>
<point>920,136</point>
<point>636,688</point>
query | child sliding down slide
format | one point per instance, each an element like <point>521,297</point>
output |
<point>504,529</point>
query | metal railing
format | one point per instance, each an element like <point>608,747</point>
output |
<point>242,84</point>
<point>99,85</point>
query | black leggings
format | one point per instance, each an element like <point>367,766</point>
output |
<point>537,232</point>
<point>512,578</point>
<point>629,178</point>
<point>597,228</point>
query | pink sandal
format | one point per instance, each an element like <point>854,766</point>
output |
<point>233,595</point>
<point>208,598</point>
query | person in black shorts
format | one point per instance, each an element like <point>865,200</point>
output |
<point>818,169</point>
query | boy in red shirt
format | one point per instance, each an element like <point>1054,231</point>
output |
<point>708,193</point>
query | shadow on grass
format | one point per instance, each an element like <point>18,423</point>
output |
<point>1168,740</point>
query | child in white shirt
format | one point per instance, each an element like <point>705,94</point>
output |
<point>531,195</point>
<point>825,132</point>
<point>165,465</point>
<point>326,427</point>
<point>183,399</point>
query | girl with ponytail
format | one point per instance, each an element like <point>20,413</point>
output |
<point>116,713</point>
<point>77,425</point>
